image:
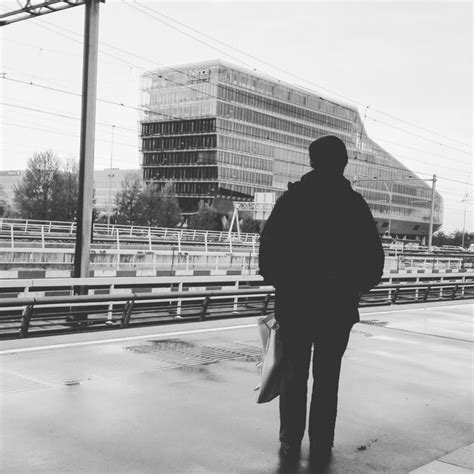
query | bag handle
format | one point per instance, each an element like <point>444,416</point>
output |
<point>269,317</point>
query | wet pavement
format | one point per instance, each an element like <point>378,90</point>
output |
<point>179,398</point>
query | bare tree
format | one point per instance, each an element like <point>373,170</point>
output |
<point>168,211</point>
<point>37,193</point>
<point>127,200</point>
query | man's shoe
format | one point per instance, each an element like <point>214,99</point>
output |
<point>289,451</point>
<point>320,455</point>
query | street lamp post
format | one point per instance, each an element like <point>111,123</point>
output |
<point>390,193</point>
<point>433,194</point>
<point>111,175</point>
<point>465,200</point>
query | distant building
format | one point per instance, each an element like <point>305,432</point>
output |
<point>8,179</point>
<point>107,183</point>
<point>218,130</point>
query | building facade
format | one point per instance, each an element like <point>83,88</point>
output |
<point>218,130</point>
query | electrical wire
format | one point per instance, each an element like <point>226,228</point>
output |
<point>241,93</point>
<point>421,151</point>
<point>135,131</point>
<point>60,132</point>
<point>282,70</point>
<point>454,180</point>
<point>180,118</point>
<point>205,93</point>
<point>103,159</point>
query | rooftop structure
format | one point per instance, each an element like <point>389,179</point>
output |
<point>218,130</point>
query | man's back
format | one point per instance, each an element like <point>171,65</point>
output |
<point>321,229</point>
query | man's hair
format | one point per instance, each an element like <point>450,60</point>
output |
<point>328,155</point>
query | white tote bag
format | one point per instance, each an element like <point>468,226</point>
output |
<point>271,365</point>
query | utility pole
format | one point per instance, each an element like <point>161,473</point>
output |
<point>87,141</point>
<point>430,230</point>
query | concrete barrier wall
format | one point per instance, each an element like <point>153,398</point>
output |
<point>128,259</point>
<point>6,275</point>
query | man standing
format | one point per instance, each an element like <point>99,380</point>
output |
<point>321,250</point>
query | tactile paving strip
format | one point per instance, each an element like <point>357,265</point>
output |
<point>12,382</point>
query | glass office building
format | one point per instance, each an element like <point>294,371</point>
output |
<point>218,130</point>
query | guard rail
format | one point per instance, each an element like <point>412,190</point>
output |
<point>20,317</point>
<point>108,285</point>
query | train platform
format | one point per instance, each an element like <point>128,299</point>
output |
<point>180,399</point>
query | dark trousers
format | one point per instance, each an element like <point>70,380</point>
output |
<point>329,341</point>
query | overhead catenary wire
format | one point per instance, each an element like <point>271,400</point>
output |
<point>255,136</point>
<point>291,74</point>
<point>203,92</point>
<point>59,132</point>
<point>258,59</point>
<point>420,150</point>
<point>242,93</point>
<point>121,104</point>
<point>284,71</point>
<point>78,41</point>
<point>219,98</point>
<point>171,117</point>
<point>67,153</point>
<point>135,131</point>
<point>108,124</point>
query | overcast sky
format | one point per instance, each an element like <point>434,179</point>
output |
<point>410,62</point>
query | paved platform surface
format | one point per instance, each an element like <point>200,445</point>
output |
<point>179,399</point>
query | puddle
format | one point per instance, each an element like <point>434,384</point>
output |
<point>203,371</point>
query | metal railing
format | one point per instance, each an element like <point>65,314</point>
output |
<point>63,228</point>
<point>39,287</point>
<point>21,317</point>
<point>32,240</point>
<point>34,243</point>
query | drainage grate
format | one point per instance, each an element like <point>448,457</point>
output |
<point>177,353</point>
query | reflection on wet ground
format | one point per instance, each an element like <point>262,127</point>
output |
<point>202,371</point>
<point>374,322</point>
<point>192,358</point>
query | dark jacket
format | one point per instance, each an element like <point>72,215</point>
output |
<point>321,230</point>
